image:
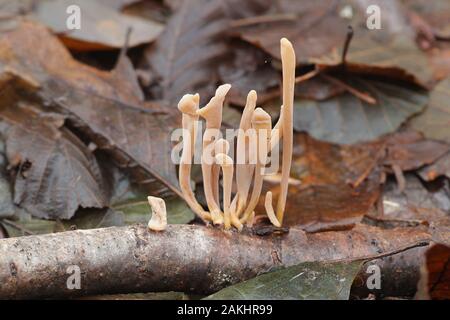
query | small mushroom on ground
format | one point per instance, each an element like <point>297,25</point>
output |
<point>212,113</point>
<point>188,105</point>
<point>288,69</point>
<point>262,124</point>
<point>244,170</point>
<point>251,159</point>
<point>158,221</point>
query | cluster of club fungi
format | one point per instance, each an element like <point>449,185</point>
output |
<point>238,210</point>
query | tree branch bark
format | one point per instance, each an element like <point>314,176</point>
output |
<point>188,258</point>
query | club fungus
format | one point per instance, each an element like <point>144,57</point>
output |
<point>251,155</point>
<point>158,221</point>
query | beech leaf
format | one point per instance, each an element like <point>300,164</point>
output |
<point>306,281</point>
<point>347,119</point>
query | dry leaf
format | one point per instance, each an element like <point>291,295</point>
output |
<point>102,26</point>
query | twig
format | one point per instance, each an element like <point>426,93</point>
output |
<point>364,96</point>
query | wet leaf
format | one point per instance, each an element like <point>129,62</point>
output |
<point>55,173</point>
<point>105,106</point>
<point>306,281</point>
<point>102,27</point>
<point>346,119</point>
<point>435,120</point>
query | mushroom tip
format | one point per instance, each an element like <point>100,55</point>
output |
<point>223,90</point>
<point>188,104</point>
<point>284,42</point>
<point>259,115</point>
<point>196,98</point>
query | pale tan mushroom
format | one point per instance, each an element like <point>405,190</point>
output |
<point>226,163</point>
<point>188,105</point>
<point>158,221</point>
<point>262,124</point>
<point>244,170</point>
<point>288,69</point>
<point>212,113</point>
<point>269,210</point>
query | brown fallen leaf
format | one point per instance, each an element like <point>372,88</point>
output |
<point>313,28</point>
<point>102,26</point>
<point>435,120</point>
<point>325,199</point>
<point>319,31</point>
<point>249,69</point>
<point>415,203</point>
<point>54,172</point>
<point>182,57</point>
<point>105,106</point>
<point>439,168</point>
<point>185,57</point>
<point>435,274</point>
<point>409,150</point>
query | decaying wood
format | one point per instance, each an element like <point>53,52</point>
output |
<point>187,258</point>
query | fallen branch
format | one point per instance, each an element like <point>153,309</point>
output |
<point>187,258</point>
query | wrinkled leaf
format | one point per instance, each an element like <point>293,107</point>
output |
<point>249,69</point>
<point>102,26</point>
<point>180,60</point>
<point>55,173</point>
<point>185,57</point>
<point>306,281</point>
<point>103,105</point>
<point>346,119</point>
<point>434,122</point>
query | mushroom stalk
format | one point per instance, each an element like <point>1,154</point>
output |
<point>244,170</point>
<point>288,69</point>
<point>221,149</point>
<point>188,105</point>
<point>212,113</point>
<point>262,124</point>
